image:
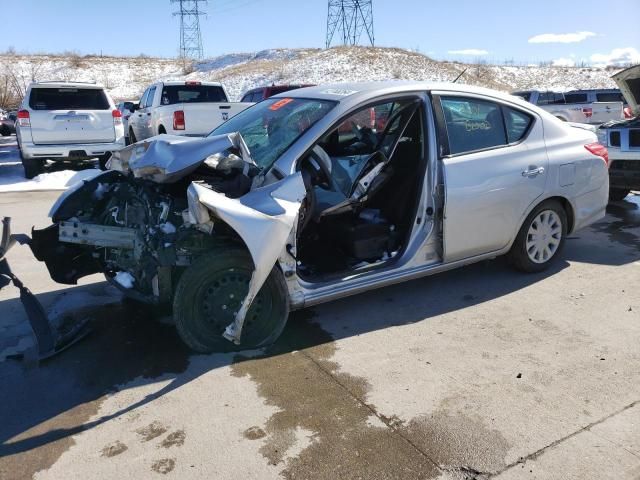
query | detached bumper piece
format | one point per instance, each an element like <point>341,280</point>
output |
<point>49,340</point>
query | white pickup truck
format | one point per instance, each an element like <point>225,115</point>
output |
<point>580,106</point>
<point>181,108</point>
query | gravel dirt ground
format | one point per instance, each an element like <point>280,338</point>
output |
<point>476,373</point>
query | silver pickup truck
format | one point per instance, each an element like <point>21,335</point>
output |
<point>579,106</point>
<point>622,138</point>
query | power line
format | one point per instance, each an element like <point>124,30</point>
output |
<point>190,36</point>
<point>350,18</point>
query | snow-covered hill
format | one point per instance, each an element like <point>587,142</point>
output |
<point>128,76</point>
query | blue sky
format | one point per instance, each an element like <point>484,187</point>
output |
<point>497,30</point>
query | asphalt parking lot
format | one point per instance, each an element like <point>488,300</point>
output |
<point>472,374</point>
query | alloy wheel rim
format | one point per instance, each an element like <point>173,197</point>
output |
<point>544,236</point>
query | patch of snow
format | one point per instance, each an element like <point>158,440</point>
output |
<point>61,180</point>
<point>125,279</point>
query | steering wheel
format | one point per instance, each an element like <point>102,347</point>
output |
<point>320,163</point>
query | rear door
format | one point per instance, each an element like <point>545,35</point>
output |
<point>495,166</point>
<point>65,115</point>
<point>146,118</point>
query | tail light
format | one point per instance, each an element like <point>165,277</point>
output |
<point>599,150</point>
<point>192,82</point>
<point>117,117</point>
<point>627,112</point>
<point>178,120</point>
<point>588,112</point>
<point>24,120</point>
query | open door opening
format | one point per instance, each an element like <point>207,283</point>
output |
<point>364,182</point>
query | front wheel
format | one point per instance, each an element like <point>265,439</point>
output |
<point>210,292</point>
<point>540,238</point>
<point>618,194</point>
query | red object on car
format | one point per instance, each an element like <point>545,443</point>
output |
<point>178,120</point>
<point>599,150</point>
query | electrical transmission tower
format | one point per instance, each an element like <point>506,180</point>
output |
<point>190,37</point>
<point>350,18</point>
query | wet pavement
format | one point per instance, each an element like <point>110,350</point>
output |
<point>476,373</point>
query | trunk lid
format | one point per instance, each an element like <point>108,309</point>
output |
<point>70,115</point>
<point>629,83</point>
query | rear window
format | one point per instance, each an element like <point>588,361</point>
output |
<point>576,98</point>
<point>610,97</point>
<point>68,99</point>
<point>172,94</point>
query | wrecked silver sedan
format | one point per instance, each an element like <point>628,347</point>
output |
<point>321,193</point>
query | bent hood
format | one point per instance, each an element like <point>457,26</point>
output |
<point>168,158</point>
<point>629,83</point>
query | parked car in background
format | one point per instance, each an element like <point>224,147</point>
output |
<point>281,207</point>
<point>182,108</point>
<point>127,108</point>
<point>256,95</point>
<point>581,106</point>
<point>622,138</point>
<point>8,123</point>
<point>67,121</point>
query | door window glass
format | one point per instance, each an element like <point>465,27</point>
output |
<point>517,123</point>
<point>473,124</point>
<point>152,93</point>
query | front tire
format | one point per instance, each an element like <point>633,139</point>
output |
<point>210,292</point>
<point>618,194</point>
<point>540,239</point>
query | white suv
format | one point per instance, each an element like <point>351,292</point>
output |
<point>67,121</point>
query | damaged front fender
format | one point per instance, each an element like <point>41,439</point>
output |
<point>264,219</point>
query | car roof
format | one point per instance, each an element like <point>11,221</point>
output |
<point>363,91</point>
<point>58,84</point>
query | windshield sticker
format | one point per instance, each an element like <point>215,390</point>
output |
<point>281,103</point>
<point>339,91</point>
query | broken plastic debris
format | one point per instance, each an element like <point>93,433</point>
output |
<point>168,228</point>
<point>124,279</point>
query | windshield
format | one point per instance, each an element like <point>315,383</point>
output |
<point>270,127</point>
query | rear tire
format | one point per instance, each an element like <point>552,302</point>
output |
<point>618,194</point>
<point>161,130</point>
<point>32,166</point>
<point>132,137</point>
<point>213,288</point>
<point>540,239</point>
<point>4,131</point>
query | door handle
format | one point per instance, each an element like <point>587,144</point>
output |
<point>139,114</point>
<point>533,172</point>
<point>149,114</point>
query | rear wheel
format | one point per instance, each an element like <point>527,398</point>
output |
<point>132,136</point>
<point>161,130</point>
<point>211,291</point>
<point>617,194</point>
<point>4,131</point>
<point>32,166</point>
<point>540,238</point>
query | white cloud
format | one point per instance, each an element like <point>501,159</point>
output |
<point>618,57</point>
<point>564,62</point>
<point>561,37</point>
<point>468,51</point>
